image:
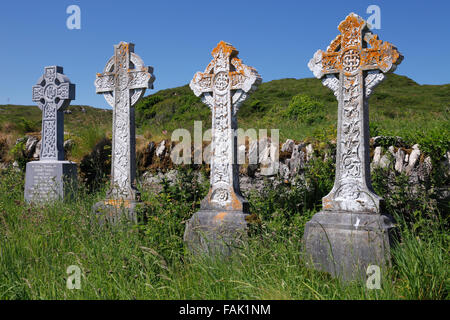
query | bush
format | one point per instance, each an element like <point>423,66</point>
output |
<point>305,109</point>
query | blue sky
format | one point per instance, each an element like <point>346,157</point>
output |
<point>277,37</point>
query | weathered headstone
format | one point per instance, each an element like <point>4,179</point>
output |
<point>51,177</point>
<point>123,83</point>
<point>351,232</point>
<point>224,86</point>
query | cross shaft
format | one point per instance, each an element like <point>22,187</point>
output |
<point>359,70</point>
<point>223,86</point>
<point>53,94</point>
<point>122,87</point>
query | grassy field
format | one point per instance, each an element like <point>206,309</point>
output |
<point>150,261</point>
<point>398,107</point>
<point>299,108</point>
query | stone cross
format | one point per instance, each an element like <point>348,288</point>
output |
<point>224,86</point>
<point>353,64</point>
<point>123,83</point>
<point>53,93</point>
<point>351,232</point>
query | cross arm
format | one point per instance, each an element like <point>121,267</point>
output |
<point>104,82</point>
<point>66,91</point>
<point>141,79</point>
<point>201,83</point>
<point>38,93</point>
<point>324,63</point>
<point>381,55</point>
<point>245,77</point>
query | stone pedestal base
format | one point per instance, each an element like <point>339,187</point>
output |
<point>216,232</point>
<point>345,244</point>
<point>115,211</point>
<point>49,180</point>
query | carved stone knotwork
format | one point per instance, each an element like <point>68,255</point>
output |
<point>352,66</point>
<point>53,93</point>
<point>122,83</point>
<point>224,85</point>
<point>51,177</point>
<point>351,232</point>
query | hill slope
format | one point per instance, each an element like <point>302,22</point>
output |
<point>299,108</point>
<point>399,106</point>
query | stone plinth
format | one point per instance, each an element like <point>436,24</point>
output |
<point>224,86</point>
<point>352,231</point>
<point>344,243</point>
<point>51,177</point>
<point>50,180</point>
<point>116,211</point>
<point>122,83</point>
<point>213,231</point>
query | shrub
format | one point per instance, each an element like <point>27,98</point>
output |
<point>305,109</point>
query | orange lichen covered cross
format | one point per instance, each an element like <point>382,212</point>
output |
<point>353,64</point>
<point>348,54</point>
<point>224,85</point>
<point>233,75</point>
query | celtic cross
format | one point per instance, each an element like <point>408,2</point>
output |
<point>224,86</point>
<point>53,93</point>
<point>353,64</point>
<point>123,83</point>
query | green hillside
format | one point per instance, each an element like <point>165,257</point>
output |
<point>300,108</point>
<point>399,106</point>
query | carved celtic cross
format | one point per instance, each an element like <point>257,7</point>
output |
<point>53,93</point>
<point>224,86</point>
<point>123,83</point>
<point>352,66</point>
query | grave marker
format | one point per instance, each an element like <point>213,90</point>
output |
<point>224,86</point>
<point>351,232</point>
<point>51,177</point>
<point>122,83</point>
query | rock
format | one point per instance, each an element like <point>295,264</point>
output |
<point>161,149</point>
<point>297,160</point>
<point>288,146</point>
<point>30,146</point>
<point>150,148</point>
<point>413,159</point>
<point>83,109</point>
<point>399,160</point>
<point>391,149</point>
<point>446,164</point>
<point>19,140</point>
<point>384,162</point>
<point>16,166</point>
<point>68,144</point>
<point>309,152</point>
<point>253,152</point>
<point>376,157</point>
<point>67,111</point>
<point>269,163</point>
<point>37,150</point>
<point>241,154</point>
<point>284,171</point>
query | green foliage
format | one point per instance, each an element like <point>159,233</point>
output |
<point>18,153</point>
<point>26,125</point>
<point>305,109</point>
<point>149,261</point>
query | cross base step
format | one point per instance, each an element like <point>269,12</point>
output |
<point>50,180</point>
<point>216,232</point>
<point>117,211</point>
<point>344,244</point>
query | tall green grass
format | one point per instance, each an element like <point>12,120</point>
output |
<point>149,261</point>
